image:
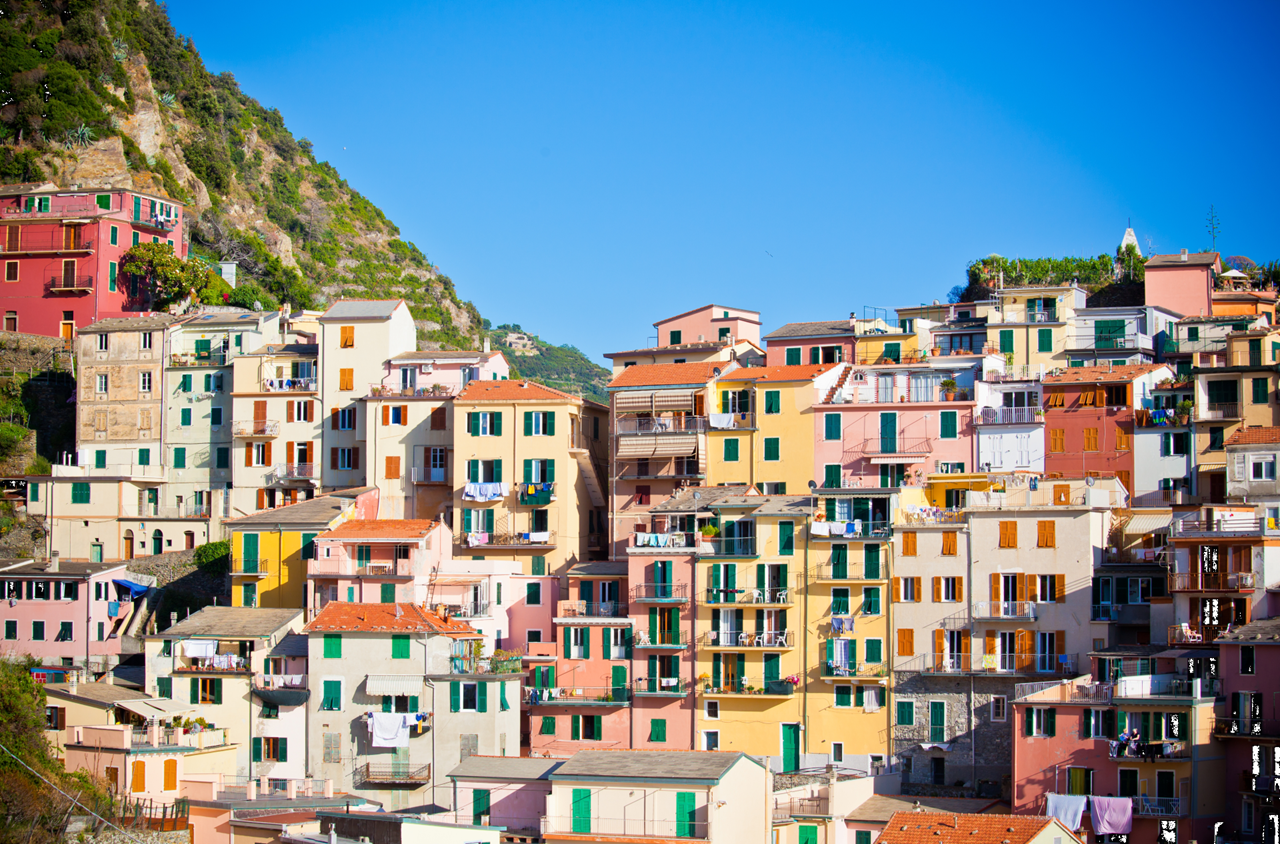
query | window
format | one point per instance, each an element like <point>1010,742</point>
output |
<point>1079,781</point>
<point>772,402</point>
<point>909,589</point>
<point>37,631</point>
<point>65,632</point>
<point>484,424</point>
<point>207,690</point>
<point>831,476</point>
<point>144,385</point>
<point>871,600</point>
<point>179,458</point>
<point>223,458</point>
<point>1008,534</point>
<point>1215,437</point>
<point>348,338</point>
<point>1045,534</point>
<point>1263,470</point>
<point>937,720</point>
<point>950,542</point>
<point>270,710</point>
<point>11,268</point>
<point>186,383</point>
<point>946,589</point>
<point>771,449</point>
<point>909,543</point>
<point>1246,659</point>
<point>1260,390</point>
<point>1044,340</point>
<point>1090,439</point>
<point>1040,721</point>
<point>331,700</point>
<point>347,419</point>
<point>999,707</point>
<point>144,457</point>
<point>80,493</point>
<point>658,730</point>
<point>906,713</point>
<point>844,697</point>
<point>676,338</point>
<point>102,384</point>
<point>831,427</point>
<point>11,629</point>
<point>1057,440</point>
<point>874,651</point>
<point>333,646</point>
<point>533,594</point>
<point>711,709</point>
<point>103,342</point>
<point>539,424</point>
<point>344,458</point>
<point>346,379</point>
<point>947,425</point>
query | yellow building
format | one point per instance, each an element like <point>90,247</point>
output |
<point>270,550</point>
<point>763,432</point>
<point>1031,325</point>
<point>529,462</point>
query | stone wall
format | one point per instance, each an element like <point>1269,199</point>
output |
<point>24,352</point>
<point>18,461</point>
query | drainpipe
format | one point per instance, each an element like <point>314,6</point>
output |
<point>804,647</point>
<point>973,745</point>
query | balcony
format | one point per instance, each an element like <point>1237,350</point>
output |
<point>623,829</point>
<point>217,664</point>
<point>198,357</point>
<point>174,737</point>
<point>799,807</point>
<point>911,449</point>
<point>68,208</point>
<point>660,640</point>
<point>932,516</point>
<point>566,610</point>
<point>368,568</point>
<point>288,385</point>
<point>1196,634</point>
<point>579,696</point>
<point>1015,373</point>
<point>1004,611</point>
<point>1189,347</point>
<point>731,546</point>
<point>255,428</point>
<point>71,284</point>
<point>660,543</point>
<point>250,567</point>
<point>771,690</point>
<point>1010,416</point>
<point>847,572</point>
<point>1239,360</point>
<point>392,773</point>
<point>468,609</point>
<point>1159,807</point>
<point>471,665</point>
<point>861,669</point>
<point>542,494</point>
<point>1218,412</point>
<point>1061,665</point>
<point>1237,581</point>
<point>661,687</point>
<point>661,425</point>
<point>660,593</point>
<point>731,422</point>
<point>1250,728</point>
<point>1142,686</point>
<point>738,639</point>
<point>1131,341</point>
<point>532,539</point>
<point>57,242</point>
<point>294,472</point>
<point>1151,751</point>
<point>1259,783</point>
<point>776,596</point>
<point>1164,498</point>
<point>1238,525</point>
<point>857,529</point>
<point>436,475</point>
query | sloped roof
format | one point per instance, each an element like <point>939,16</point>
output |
<point>648,764</point>
<point>105,695</point>
<point>684,501</point>
<point>805,372</point>
<point>1194,259</point>
<point>664,321</point>
<point>138,323</point>
<point>340,616</point>
<point>882,807</point>
<point>1102,374</point>
<point>505,767</point>
<point>293,644</point>
<point>1255,436</point>
<point>955,828</point>
<point>822,328</point>
<point>439,355</point>
<point>667,374</point>
<point>231,623</point>
<point>1264,631</point>
<point>361,309</point>
<point>381,529</point>
<point>305,349</point>
<point>318,512</point>
<point>513,391</point>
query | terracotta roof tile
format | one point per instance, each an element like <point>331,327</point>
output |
<point>1255,436</point>
<point>806,372</point>
<point>664,374</point>
<point>512,391</point>
<point>949,828</point>
<point>381,529</point>
<point>1102,374</point>
<point>342,617</point>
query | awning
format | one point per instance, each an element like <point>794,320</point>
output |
<point>393,684</point>
<point>136,590</point>
<point>638,402</point>
<point>1145,523</point>
<point>936,745</point>
<point>155,708</point>
<point>680,445</point>
<point>1182,653</point>
<point>282,697</point>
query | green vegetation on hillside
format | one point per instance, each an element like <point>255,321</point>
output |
<point>563,367</point>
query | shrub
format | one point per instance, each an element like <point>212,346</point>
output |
<point>214,557</point>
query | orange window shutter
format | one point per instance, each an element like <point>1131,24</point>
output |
<point>248,454</point>
<point>1013,534</point>
<point>139,776</point>
<point>939,641</point>
<point>171,775</point>
<point>386,414</point>
<point>1060,588</point>
<point>906,642</point>
<point>949,543</point>
<point>937,589</point>
<point>897,590</point>
<point>1050,535</point>
<point>266,453</point>
<point>995,586</point>
<point>288,411</point>
<point>966,644</point>
<point>959,588</point>
<point>288,452</point>
<point>393,468</point>
<point>991,642</point>
<point>348,336</point>
<point>916,582</point>
<point>1123,475</point>
<point>1061,493</point>
<point>1060,641</point>
<point>909,543</point>
<point>1022,587</point>
<point>1101,397</point>
<point>262,499</point>
<point>404,414</point>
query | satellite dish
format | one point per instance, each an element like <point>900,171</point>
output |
<point>1088,481</point>
<point>813,485</point>
<point>697,496</point>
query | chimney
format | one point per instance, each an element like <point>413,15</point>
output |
<point>53,562</point>
<point>1184,256</point>
<point>486,345</point>
<point>853,319</point>
<point>73,680</point>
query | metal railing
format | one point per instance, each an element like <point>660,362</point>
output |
<point>846,571</point>
<point>1010,416</point>
<point>1186,347</point>
<point>915,446</point>
<point>1259,783</point>
<point>663,541</point>
<point>624,828</point>
<point>1023,372</point>
<point>591,609</point>
<point>660,592</point>
<point>661,686</point>
<point>393,772</point>
<point>1125,342</point>
<point>280,681</point>
<point>661,425</point>
<point>240,565</point>
<point>1104,612</point>
<point>519,540</point>
<point>856,529</point>
<point>1212,581</point>
<point>1221,524</point>
<point>1062,665</point>
<point>255,428</point>
<point>469,609</point>
<point>731,422</point>
<point>484,665</point>
<point>289,385</point>
<point>65,209</point>
<point>1222,359</point>
<point>423,475</point>
<point>578,696</point>
<point>1161,497</point>
<point>1211,412</point>
<point>747,639</point>
<point>202,357</point>
<point>749,595</point>
<point>1159,807</point>
<point>1150,751</point>
<point>29,241</point>
<point>859,669</point>
<point>1195,634</point>
<point>660,639</point>
<point>1004,610</point>
<point>742,687</point>
<point>1246,727</point>
<point>60,283</point>
<point>721,546</point>
<point>295,471</point>
<point>932,516</point>
<point>800,807</point>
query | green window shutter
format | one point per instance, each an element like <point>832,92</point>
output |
<point>479,805</point>
<point>104,201</point>
<point>466,520</point>
<point>575,728</point>
<point>772,668</point>
<point>771,448</point>
<point>831,480</point>
<point>144,457</point>
<point>528,423</point>
<point>455,696</point>
<point>111,276</point>
<point>807,834</point>
<point>1087,732</point>
<point>675,338</point>
<point>1051,722</point>
<point>772,401</point>
<point>793,357</point>
<point>871,561</point>
<point>548,726</point>
<point>844,696</point>
<point>568,638</point>
<point>186,416</point>
<point>527,476</point>
<point>724,401</point>
<point>874,653</point>
<point>686,814</point>
<point>658,729</point>
<point>715,671</point>
<point>496,425</point>
<point>473,424</point>
<point>100,459</point>
<point>164,687</point>
<point>1006,341</point>
<point>217,690</point>
<point>179,458</point>
<point>195,690</point>
<point>488,521</point>
<point>1044,340</point>
<point>186,383</point>
<point>831,425</point>
<point>497,471</point>
<point>815,355</point>
<point>1260,390</point>
<point>550,427</point>
<point>388,703</point>
<point>906,713</point>
<point>604,643</point>
<point>586,643</point>
<point>332,645</point>
<point>830,508</point>
<point>839,601</point>
<point>731,450</point>
<point>399,646</point>
<point>257,750</point>
<point>502,697</point>
<point>413,703</point>
<point>786,539</point>
<point>482,697</point>
<point>115,235</point>
<point>858,699</point>
<point>948,424</point>
<point>581,801</point>
<point>551,472</point>
<point>388,593</point>
<point>332,695</point>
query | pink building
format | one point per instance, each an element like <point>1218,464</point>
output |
<point>1249,670</point>
<point>1183,283</point>
<point>502,791</point>
<point>62,254</point>
<point>887,422</point>
<point>70,613</point>
<point>827,341</point>
<point>440,373</point>
<point>710,322</point>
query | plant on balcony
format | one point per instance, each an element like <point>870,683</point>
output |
<point>949,389</point>
<point>710,531</point>
<point>1184,411</point>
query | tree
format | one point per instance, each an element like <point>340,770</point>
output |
<point>1129,265</point>
<point>171,278</point>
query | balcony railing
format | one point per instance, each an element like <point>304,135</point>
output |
<point>1196,634</point>
<point>771,688</point>
<point>484,665</point>
<point>775,595</point>
<point>1150,751</point>
<point>542,494</point>
<point>295,472</point>
<point>1223,359</point>
<point>748,639</point>
<point>1062,665</point>
<point>1096,342</point>
<point>661,425</point>
<point>32,242</point>
<point>252,565</point>
<point>393,772</point>
<point>621,829</point>
<point>658,542</point>
<point>722,546</point>
<point>591,609</point>
<point>908,446</point>
<point>532,539</point>
<point>857,529</point>
<point>1159,807</point>
<point>1187,347</point>
<point>671,686</point>
<point>1004,611</point>
<point>847,571</point>
<point>198,357</point>
<point>1246,727</point>
<point>437,475</point>
<point>1164,497</point>
<point>1212,581</point>
<point>1259,783</point>
<point>660,593</point>
<point>71,284</point>
<point>660,639</point>
<point>255,428</point>
<point>1212,412</point>
<point>860,669</point>
<point>1222,524</point>
<point>932,516</point>
<point>468,609</point>
<point>731,422</point>
<point>579,696</point>
<point>289,385</point>
<point>367,568</point>
<point>65,209</point>
<point>1010,416</point>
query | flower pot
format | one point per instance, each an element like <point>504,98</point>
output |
<point>948,396</point>
<point>1182,420</point>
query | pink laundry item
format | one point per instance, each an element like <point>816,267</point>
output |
<point>1112,815</point>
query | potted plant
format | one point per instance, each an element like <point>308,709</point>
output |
<point>710,531</point>
<point>1184,411</point>
<point>705,680</point>
<point>948,389</point>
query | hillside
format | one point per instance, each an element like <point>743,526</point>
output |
<point>562,367</point>
<point>105,92</point>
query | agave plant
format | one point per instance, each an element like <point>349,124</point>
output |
<point>119,50</point>
<point>80,136</point>
<point>168,100</point>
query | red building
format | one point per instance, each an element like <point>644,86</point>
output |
<point>1089,417</point>
<point>62,248</point>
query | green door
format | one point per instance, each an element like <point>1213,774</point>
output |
<point>479,805</point>
<point>686,814</point>
<point>619,682</point>
<point>1255,353</point>
<point>893,352</point>
<point>888,433</point>
<point>95,553</point>
<point>157,543</point>
<point>790,747</point>
<point>808,834</point>
<point>582,810</point>
<point>249,555</point>
<point>202,349</point>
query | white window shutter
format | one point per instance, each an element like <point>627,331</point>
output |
<point>1240,471</point>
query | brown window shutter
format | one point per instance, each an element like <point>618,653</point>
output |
<point>1033,587</point>
<point>917,590</point>
<point>897,590</point>
<point>266,453</point>
<point>1101,400</point>
<point>355,458</point>
<point>333,458</point>
<point>333,416</point>
<point>1060,588</point>
<point>906,642</point>
<point>959,588</point>
<point>404,414</point>
<point>991,642</point>
<point>909,543</point>
<point>995,586</point>
<point>262,499</point>
<point>939,646</point>
<point>1060,640</point>
<point>1051,532</point>
<point>949,543</point>
<point>1013,534</point>
<point>393,468</point>
<point>1021,659</point>
<point>288,452</point>
<point>937,589</point>
<point>966,646</point>
<point>1022,587</point>
<point>386,414</point>
<point>288,411</point>
<point>62,717</point>
<point>248,454</point>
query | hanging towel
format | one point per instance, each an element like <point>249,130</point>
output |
<point>389,729</point>
<point>113,609</point>
<point>1067,808</point>
<point>540,536</point>
<point>199,647</point>
<point>857,527</point>
<point>1112,815</point>
<point>721,420</point>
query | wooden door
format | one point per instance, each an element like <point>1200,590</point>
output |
<point>69,274</point>
<point>128,545</point>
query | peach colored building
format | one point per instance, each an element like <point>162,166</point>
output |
<point>146,763</point>
<point>710,322</point>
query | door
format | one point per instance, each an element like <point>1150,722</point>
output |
<point>1255,353</point>
<point>662,579</point>
<point>938,770</point>
<point>153,502</point>
<point>95,553</point>
<point>888,433</point>
<point>190,538</point>
<point>157,542</point>
<point>68,274</point>
<point>67,328</point>
<point>249,553</point>
<point>790,747</point>
<point>204,349</point>
<point>1108,334</point>
<point>128,545</point>
<point>619,682</point>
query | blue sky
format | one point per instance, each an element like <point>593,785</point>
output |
<point>584,169</point>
